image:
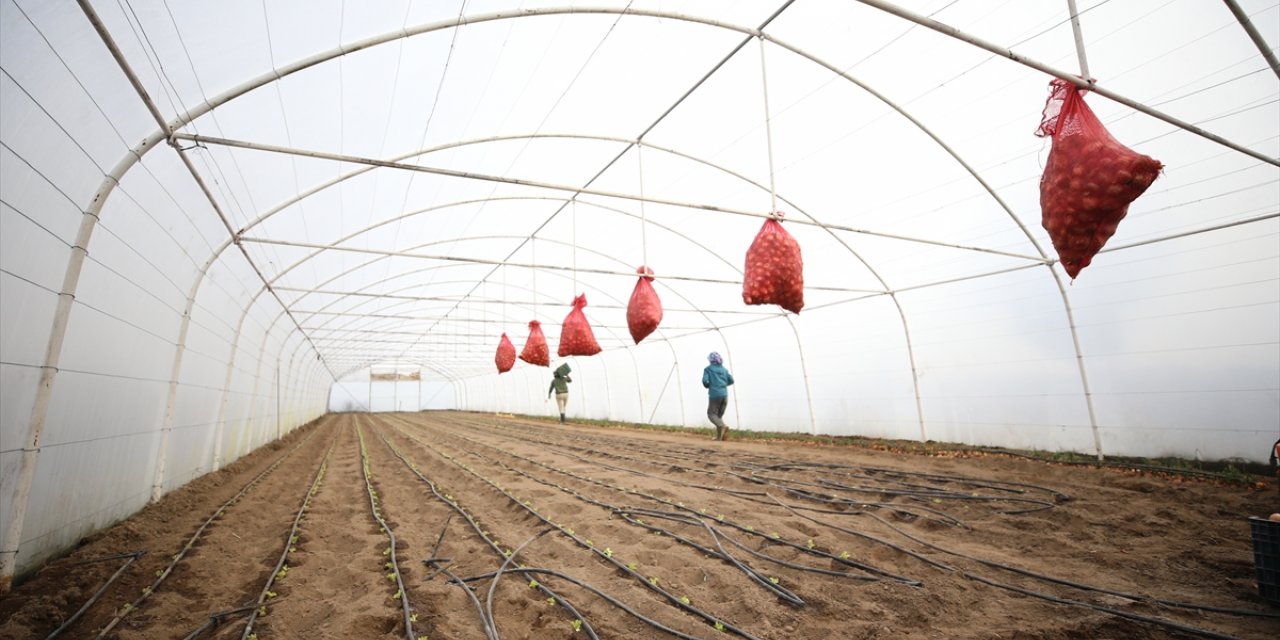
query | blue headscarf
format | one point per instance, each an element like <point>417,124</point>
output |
<point>715,358</point>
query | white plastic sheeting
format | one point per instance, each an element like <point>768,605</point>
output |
<point>218,218</point>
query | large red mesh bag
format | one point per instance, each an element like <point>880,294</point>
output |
<point>576,337</point>
<point>775,270</point>
<point>644,311</point>
<point>506,356</point>
<point>1089,179</point>
<point>535,348</point>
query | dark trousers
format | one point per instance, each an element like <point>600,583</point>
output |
<point>715,411</point>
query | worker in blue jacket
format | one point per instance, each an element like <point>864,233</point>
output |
<point>717,379</point>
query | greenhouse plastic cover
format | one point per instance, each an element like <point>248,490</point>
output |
<point>221,220</point>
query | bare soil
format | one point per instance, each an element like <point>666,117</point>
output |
<point>630,533</point>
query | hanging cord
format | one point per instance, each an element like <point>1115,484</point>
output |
<point>1079,34</point>
<point>574,237</point>
<point>644,244</point>
<point>768,130</point>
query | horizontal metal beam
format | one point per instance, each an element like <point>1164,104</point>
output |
<point>338,157</point>
<point>526,265</point>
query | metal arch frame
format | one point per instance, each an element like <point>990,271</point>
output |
<point>9,550</point>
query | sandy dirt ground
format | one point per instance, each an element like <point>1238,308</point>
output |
<point>457,525</point>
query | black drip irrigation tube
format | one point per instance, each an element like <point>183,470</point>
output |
<point>696,519</point>
<point>601,594</point>
<point>281,569</point>
<point>401,593</point>
<point>720,625</point>
<point>946,518</point>
<point>772,539</point>
<point>720,553</point>
<point>132,557</point>
<point>162,574</point>
<point>1058,496</point>
<point>439,563</point>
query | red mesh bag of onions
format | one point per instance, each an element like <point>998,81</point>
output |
<point>576,337</point>
<point>1089,179</point>
<point>644,311</point>
<point>775,271</point>
<point>506,357</point>
<point>535,348</point>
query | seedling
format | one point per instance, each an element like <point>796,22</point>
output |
<point>653,581</point>
<point>551,601</point>
<point>533,584</point>
<point>719,626</point>
<point>684,600</point>
<point>773,580</point>
<point>809,543</point>
<point>577,625</point>
<point>844,555</point>
<point>631,566</point>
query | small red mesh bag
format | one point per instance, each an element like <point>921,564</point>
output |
<point>535,348</point>
<point>506,357</point>
<point>576,337</point>
<point>644,311</point>
<point>1089,179</point>
<point>775,270</point>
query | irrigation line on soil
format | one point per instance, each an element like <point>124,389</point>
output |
<point>497,575</point>
<point>604,596</point>
<point>1087,587</point>
<point>1059,496</point>
<point>132,557</point>
<point>218,617</point>
<point>720,553</point>
<point>401,593</point>
<point>168,570</point>
<point>773,539</point>
<point>440,565</point>
<point>598,553</point>
<point>1027,592</point>
<point>451,503</point>
<point>281,568</point>
<point>947,518</point>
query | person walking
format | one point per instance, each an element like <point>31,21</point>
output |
<point>717,379</point>
<point>560,385</point>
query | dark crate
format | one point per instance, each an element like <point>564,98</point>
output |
<point>1266,557</point>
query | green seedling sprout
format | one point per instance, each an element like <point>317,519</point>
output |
<point>773,580</point>
<point>719,626</point>
<point>844,555</point>
<point>577,625</point>
<point>684,600</point>
<point>551,601</point>
<point>809,543</point>
<point>608,553</point>
<point>631,566</point>
<point>533,584</point>
<point>653,580</point>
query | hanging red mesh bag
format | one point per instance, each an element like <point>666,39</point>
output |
<point>535,348</point>
<point>775,271</point>
<point>506,357</point>
<point>576,338</point>
<point>1089,179</point>
<point>644,312</point>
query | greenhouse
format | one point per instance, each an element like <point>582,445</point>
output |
<point>775,319</point>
